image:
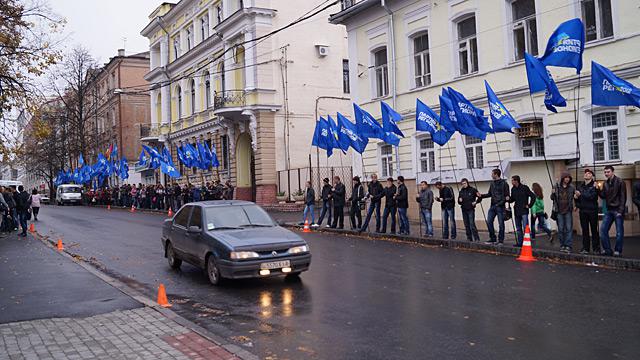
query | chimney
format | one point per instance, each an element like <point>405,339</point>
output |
<point>120,52</point>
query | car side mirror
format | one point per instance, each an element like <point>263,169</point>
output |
<point>194,230</point>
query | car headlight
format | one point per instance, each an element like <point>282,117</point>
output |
<point>298,249</point>
<point>241,255</point>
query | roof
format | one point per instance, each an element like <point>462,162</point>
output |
<point>342,16</point>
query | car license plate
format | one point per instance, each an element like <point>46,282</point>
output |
<point>275,265</point>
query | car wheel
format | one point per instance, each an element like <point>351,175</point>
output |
<point>213,273</point>
<point>174,262</point>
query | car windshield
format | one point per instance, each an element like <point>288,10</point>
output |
<point>75,190</point>
<point>237,217</point>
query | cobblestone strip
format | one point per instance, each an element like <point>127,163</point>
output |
<point>131,334</point>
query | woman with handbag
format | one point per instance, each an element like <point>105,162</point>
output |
<point>538,214</point>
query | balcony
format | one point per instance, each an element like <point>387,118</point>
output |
<point>229,99</point>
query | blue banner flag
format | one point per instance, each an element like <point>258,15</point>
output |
<point>540,79</point>
<point>81,161</point>
<point>427,120</point>
<point>124,169</point>
<point>166,155</point>
<point>214,156</point>
<point>501,119</point>
<point>348,135</point>
<point>366,124</point>
<point>181,157</point>
<point>114,153</point>
<point>465,115</point>
<point>169,170</point>
<point>390,119</point>
<point>609,90</point>
<point>205,160</point>
<point>334,133</point>
<point>565,46</point>
<point>142,160</point>
<point>322,136</point>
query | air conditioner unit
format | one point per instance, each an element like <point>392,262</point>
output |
<point>323,50</point>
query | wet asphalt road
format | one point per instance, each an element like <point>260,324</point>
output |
<point>365,299</point>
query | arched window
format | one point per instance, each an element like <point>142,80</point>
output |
<point>207,89</point>
<point>192,84</point>
<point>179,95</point>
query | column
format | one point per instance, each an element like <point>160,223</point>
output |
<point>165,94</point>
<point>249,59</point>
<point>198,80</point>
<point>154,114</point>
<point>228,66</point>
<point>164,52</point>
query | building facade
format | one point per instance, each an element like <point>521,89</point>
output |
<point>220,78</point>
<point>119,112</point>
<point>400,50</point>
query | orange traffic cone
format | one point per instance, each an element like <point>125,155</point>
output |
<point>59,246</point>
<point>526,253</point>
<point>108,207</point>
<point>170,213</point>
<point>306,228</point>
<point>133,209</point>
<point>162,297</point>
<point>32,228</point>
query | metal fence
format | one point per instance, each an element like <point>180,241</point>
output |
<point>292,181</point>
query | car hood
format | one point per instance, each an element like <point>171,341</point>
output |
<point>258,236</point>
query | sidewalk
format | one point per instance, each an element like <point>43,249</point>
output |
<point>53,308</point>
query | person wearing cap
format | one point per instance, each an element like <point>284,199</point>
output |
<point>614,193</point>
<point>337,196</point>
<point>325,195</point>
<point>355,213</point>
<point>586,198</point>
<point>562,196</point>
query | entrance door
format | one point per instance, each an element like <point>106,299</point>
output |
<point>244,173</point>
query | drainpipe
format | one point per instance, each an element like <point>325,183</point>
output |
<point>392,45</point>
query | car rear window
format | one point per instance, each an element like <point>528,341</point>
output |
<point>236,216</point>
<point>75,190</point>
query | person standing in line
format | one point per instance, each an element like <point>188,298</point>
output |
<point>446,198</point>
<point>390,207</point>
<point>636,195</point>
<point>35,204</point>
<point>338,195</point>
<point>425,199</point>
<point>402,201</point>
<point>23,203</point>
<point>355,213</point>
<point>615,195</point>
<point>586,197</point>
<point>499,194</point>
<point>4,211</point>
<point>562,196</point>
<point>309,204</point>
<point>375,192</point>
<point>538,214</point>
<point>325,195</point>
<point>227,193</point>
<point>468,198</point>
<point>523,199</point>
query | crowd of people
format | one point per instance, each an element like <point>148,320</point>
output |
<point>17,207</point>
<point>518,203</point>
<point>159,197</point>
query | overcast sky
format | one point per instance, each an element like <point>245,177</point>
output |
<point>100,25</point>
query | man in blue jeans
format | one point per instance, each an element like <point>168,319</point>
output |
<point>523,199</point>
<point>375,192</point>
<point>309,202</point>
<point>23,203</point>
<point>325,195</point>
<point>499,194</point>
<point>402,202</point>
<point>425,199</point>
<point>615,195</point>
<point>447,201</point>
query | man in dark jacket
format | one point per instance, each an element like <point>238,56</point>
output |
<point>325,195</point>
<point>402,201</point>
<point>586,197</point>
<point>562,196</point>
<point>375,193</point>
<point>499,194</point>
<point>468,198</point>
<point>309,204</point>
<point>389,206</point>
<point>338,195</point>
<point>425,199</point>
<point>227,193</point>
<point>355,213</point>
<point>523,199</point>
<point>614,193</point>
<point>23,203</point>
<point>447,201</point>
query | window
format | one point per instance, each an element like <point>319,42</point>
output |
<point>347,4</point>
<point>597,18</point>
<point>422,66</point>
<point>381,72</point>
<point>189,32</point>
<point>473,149</point>
<point>467,46</point>
<point>192,85</point>
<point>606,145</point>
<point>182,217</point>
<point>386,155</point>
<point>532,147</point>
<point>219,13</point>
<point>345,76</point>
<point>204,27</point>
<point>207,89</point>
<point>224,142</point>
<point>196,217</point>
<point>525,35</point>
<point>427,155</point>
<point>179,95</point>
<point>176,46</point>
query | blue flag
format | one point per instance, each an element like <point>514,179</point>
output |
<point>501,119</point>
<point>166,155</point>
<point>609,90</point>
<point>334,133</point>
<point>80,161</point>
<point>427,120</point>
<point>390,119</point>
<point>181,156</point>
<point>142,160</point>
<point>114,153</point>
<point>366,124</point>
<point>322,136</point>
<point>124,169</point>
<point>205,160</point>
<point>214,156</point>
<point>565,46</point>
<point>540,79</point>
<point>348,135</point>
<point>169,170</point>
<point>465,115</point>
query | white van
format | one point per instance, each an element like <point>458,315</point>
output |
<point>69,194</point>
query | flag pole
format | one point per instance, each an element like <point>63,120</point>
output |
<point>544,153</point>
<point>576,108</point>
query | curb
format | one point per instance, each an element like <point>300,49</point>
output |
<point>607,262</point>
<point>136,295</point>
